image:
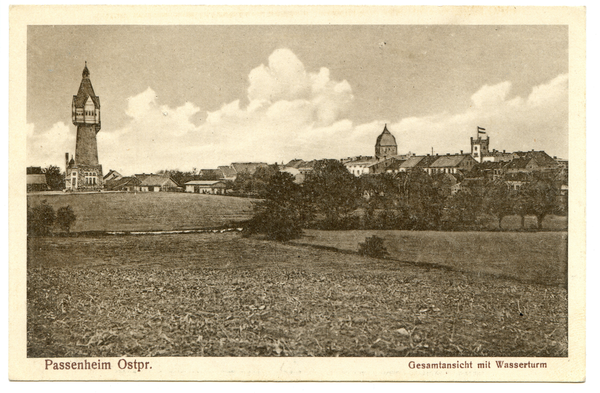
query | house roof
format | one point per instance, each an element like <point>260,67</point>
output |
<point>427,161</point>
<point>36,179</point>
<point>85,90</point>
<point>249,167</point>
<point>227,171</point>
<point>412,162</point>
<point>395,165</point>
<point>519,163</point>
<point>204,183</point>
<point>386,138</point>
<point>446,179</point>
<point>121,182</point>
<point>541,157</point>
<point>307,164</point>
<point>157,180</point>
<point>142,176</point>
<point>34,170</point>
<point>488,165</point>
<point>360,163</point>
<point>295,163</point>
<point>110,173</point>
<point>449,161</point>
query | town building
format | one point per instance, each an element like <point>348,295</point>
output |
<point>128,184</point>
<point>83,172</point>
<point>480,147</point>
<point>247,167</point>
<point>386,157</point>
<point>112,175</point>
<point>206,187</point>
<point>492,170</point>
<point>36,179</point>
<point>498,156</point>
<point>295,172</point>
<point>359,168</point>
<point>529,161</point>
<point>394,167</point>
<point>227,173</point>
<point>157,183</point>
<point>385,146</point>
<point>450,163</point>
<point>418,162</point>
<point>410,163</point>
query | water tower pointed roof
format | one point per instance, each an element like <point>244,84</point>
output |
<point>386,138</point>
<point>86,72</point>
<point>85,90</point>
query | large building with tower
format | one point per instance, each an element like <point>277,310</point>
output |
<point>480,147</point>
<point>83,171</point>
<point>386,146</point>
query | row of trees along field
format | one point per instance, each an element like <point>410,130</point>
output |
<point>43,219</point>
<point>332,198</point>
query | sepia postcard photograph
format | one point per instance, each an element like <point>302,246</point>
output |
<point>297,193</point>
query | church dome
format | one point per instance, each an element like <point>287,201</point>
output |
<point>386,138</point>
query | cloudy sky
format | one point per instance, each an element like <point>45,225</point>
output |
<point>200,96</point>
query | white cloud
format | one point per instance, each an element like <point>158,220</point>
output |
<point>539,121</point>
<point>295,113</point>
<point>49,148</point>
<point>156,137</point>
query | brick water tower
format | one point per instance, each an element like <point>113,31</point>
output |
<point>83,172</point>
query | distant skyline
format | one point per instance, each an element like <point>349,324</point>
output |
<point>183,97</point>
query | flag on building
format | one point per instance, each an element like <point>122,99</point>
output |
<point>480,130</point>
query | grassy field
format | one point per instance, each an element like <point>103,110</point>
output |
<point>148,211</point>
<point>224,295</point>
<point>539,257</point>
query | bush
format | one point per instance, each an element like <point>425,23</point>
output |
<point>40,219</point>
<point>282,214</point>
<point>65,217</point>
<point>373,247</point>
<point>276,225</point>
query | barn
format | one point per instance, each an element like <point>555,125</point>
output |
<point>157,183</point>
<point>36,179</point>
<point>206,187</point>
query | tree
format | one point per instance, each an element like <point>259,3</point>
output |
<point>281,215</point>
<point>55,178</point>
<point>499,201</point>
<point>373,247</point>
<point>65,218</point>
<point>520,207</point>
<point>40,219</point>
<point>179,177</point>
<point>242,183</point>
<point>422,199</point>
<point>332,191</point>
<point>259,181</point>
<point>540,199</point>
<point>461,210</point>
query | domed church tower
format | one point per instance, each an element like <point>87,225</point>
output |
<point>386,146</point>
<point>83,172</point>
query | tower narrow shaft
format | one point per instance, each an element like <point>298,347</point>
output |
<point>84,172</point>
<point>86,146</point>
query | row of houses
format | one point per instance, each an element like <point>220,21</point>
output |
<point>160,183</point>
<point>520,162</point>
<point>432,164</point>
